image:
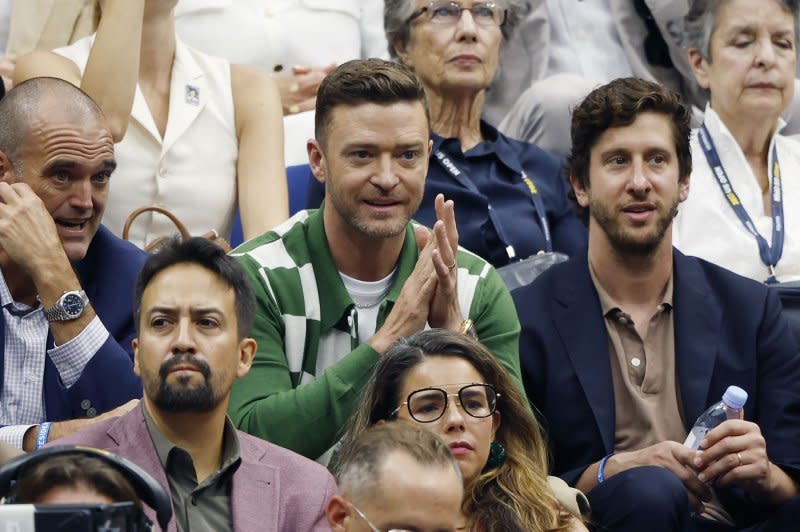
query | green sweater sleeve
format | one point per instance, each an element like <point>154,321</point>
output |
<point>307,418</point>
<point>497,324</point>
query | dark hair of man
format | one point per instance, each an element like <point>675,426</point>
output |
<point>22,105</point>
<point>617,104</point>
<point>365,81</point>
<point>358,468</point>
<point>204,253</point>
<point>75,471</point>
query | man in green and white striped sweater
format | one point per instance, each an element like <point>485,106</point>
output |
<point>337,286</point>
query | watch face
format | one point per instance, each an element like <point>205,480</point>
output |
<point>72,304</point>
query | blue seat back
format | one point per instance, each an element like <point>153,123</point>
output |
<point>297,179</point>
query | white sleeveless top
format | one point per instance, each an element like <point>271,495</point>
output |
<point>192,170</point>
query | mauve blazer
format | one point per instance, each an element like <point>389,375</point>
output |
<point>274,489</point>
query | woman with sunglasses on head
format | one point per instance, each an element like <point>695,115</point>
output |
<point>451,385</point>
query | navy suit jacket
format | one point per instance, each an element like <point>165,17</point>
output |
<point>728,330</point>
<point>107,274</point>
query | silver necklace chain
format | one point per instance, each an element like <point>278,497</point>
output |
<point>378,302</point>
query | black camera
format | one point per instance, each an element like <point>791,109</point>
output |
<point>116,517</point>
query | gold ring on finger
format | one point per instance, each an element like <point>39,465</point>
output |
<point>450,268</point>
<point>739,456</point>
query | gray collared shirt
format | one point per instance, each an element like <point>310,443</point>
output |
<point>203,507</point>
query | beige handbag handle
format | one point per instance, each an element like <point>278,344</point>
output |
<point>152,246</point>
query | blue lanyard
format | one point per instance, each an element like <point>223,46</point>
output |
<point>536,198</point>
<point>769,255</point>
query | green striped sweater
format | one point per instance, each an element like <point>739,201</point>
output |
<point>309,367</point>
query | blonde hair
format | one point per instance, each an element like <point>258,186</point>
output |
<point>513,496</point>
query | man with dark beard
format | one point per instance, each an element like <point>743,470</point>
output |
<point>194,313</point>
<point>623,347</point>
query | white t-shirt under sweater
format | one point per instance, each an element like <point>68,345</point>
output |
<point>192,170</point>
<point>708,227</point>
<point>367,297</point>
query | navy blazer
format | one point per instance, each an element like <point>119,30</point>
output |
<point>728,330</point>
<point>107,274</point>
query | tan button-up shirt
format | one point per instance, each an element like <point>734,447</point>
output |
<point>646,395</point>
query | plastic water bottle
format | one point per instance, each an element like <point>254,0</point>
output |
<point>733,401</point>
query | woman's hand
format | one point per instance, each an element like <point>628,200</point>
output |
<point>298,89</point>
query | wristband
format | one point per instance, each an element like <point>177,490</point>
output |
<point>42,436</point>
<point>601,469</point>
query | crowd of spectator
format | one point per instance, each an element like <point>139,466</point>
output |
<point>364,364</point>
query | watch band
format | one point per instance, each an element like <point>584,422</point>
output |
<point>59,312</point>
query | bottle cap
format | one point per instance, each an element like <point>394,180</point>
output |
<point>734,397</point>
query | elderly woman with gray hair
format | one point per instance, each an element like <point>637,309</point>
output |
<point>511,199</point>
<point>743,211</point>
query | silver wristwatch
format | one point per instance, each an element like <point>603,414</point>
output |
<point>68,307</point>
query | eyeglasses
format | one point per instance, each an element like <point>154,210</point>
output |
<point>372,527</point>
<point>426,405</point>
<point>447,13</point>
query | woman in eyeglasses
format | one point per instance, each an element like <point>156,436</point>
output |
<point>451,385</point>
<point>510,195</point>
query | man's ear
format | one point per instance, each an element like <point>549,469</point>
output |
<point>7,172</point>
<point>683,187</point>
<point>316,160</point>
<point>135,346</point>
<point>247,352</point>
<point>581,192</point>
<point>699,67</point>
<point>337,513</point>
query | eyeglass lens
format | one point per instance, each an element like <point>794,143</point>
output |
<point>450,12</point>
<point>477,400</point>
